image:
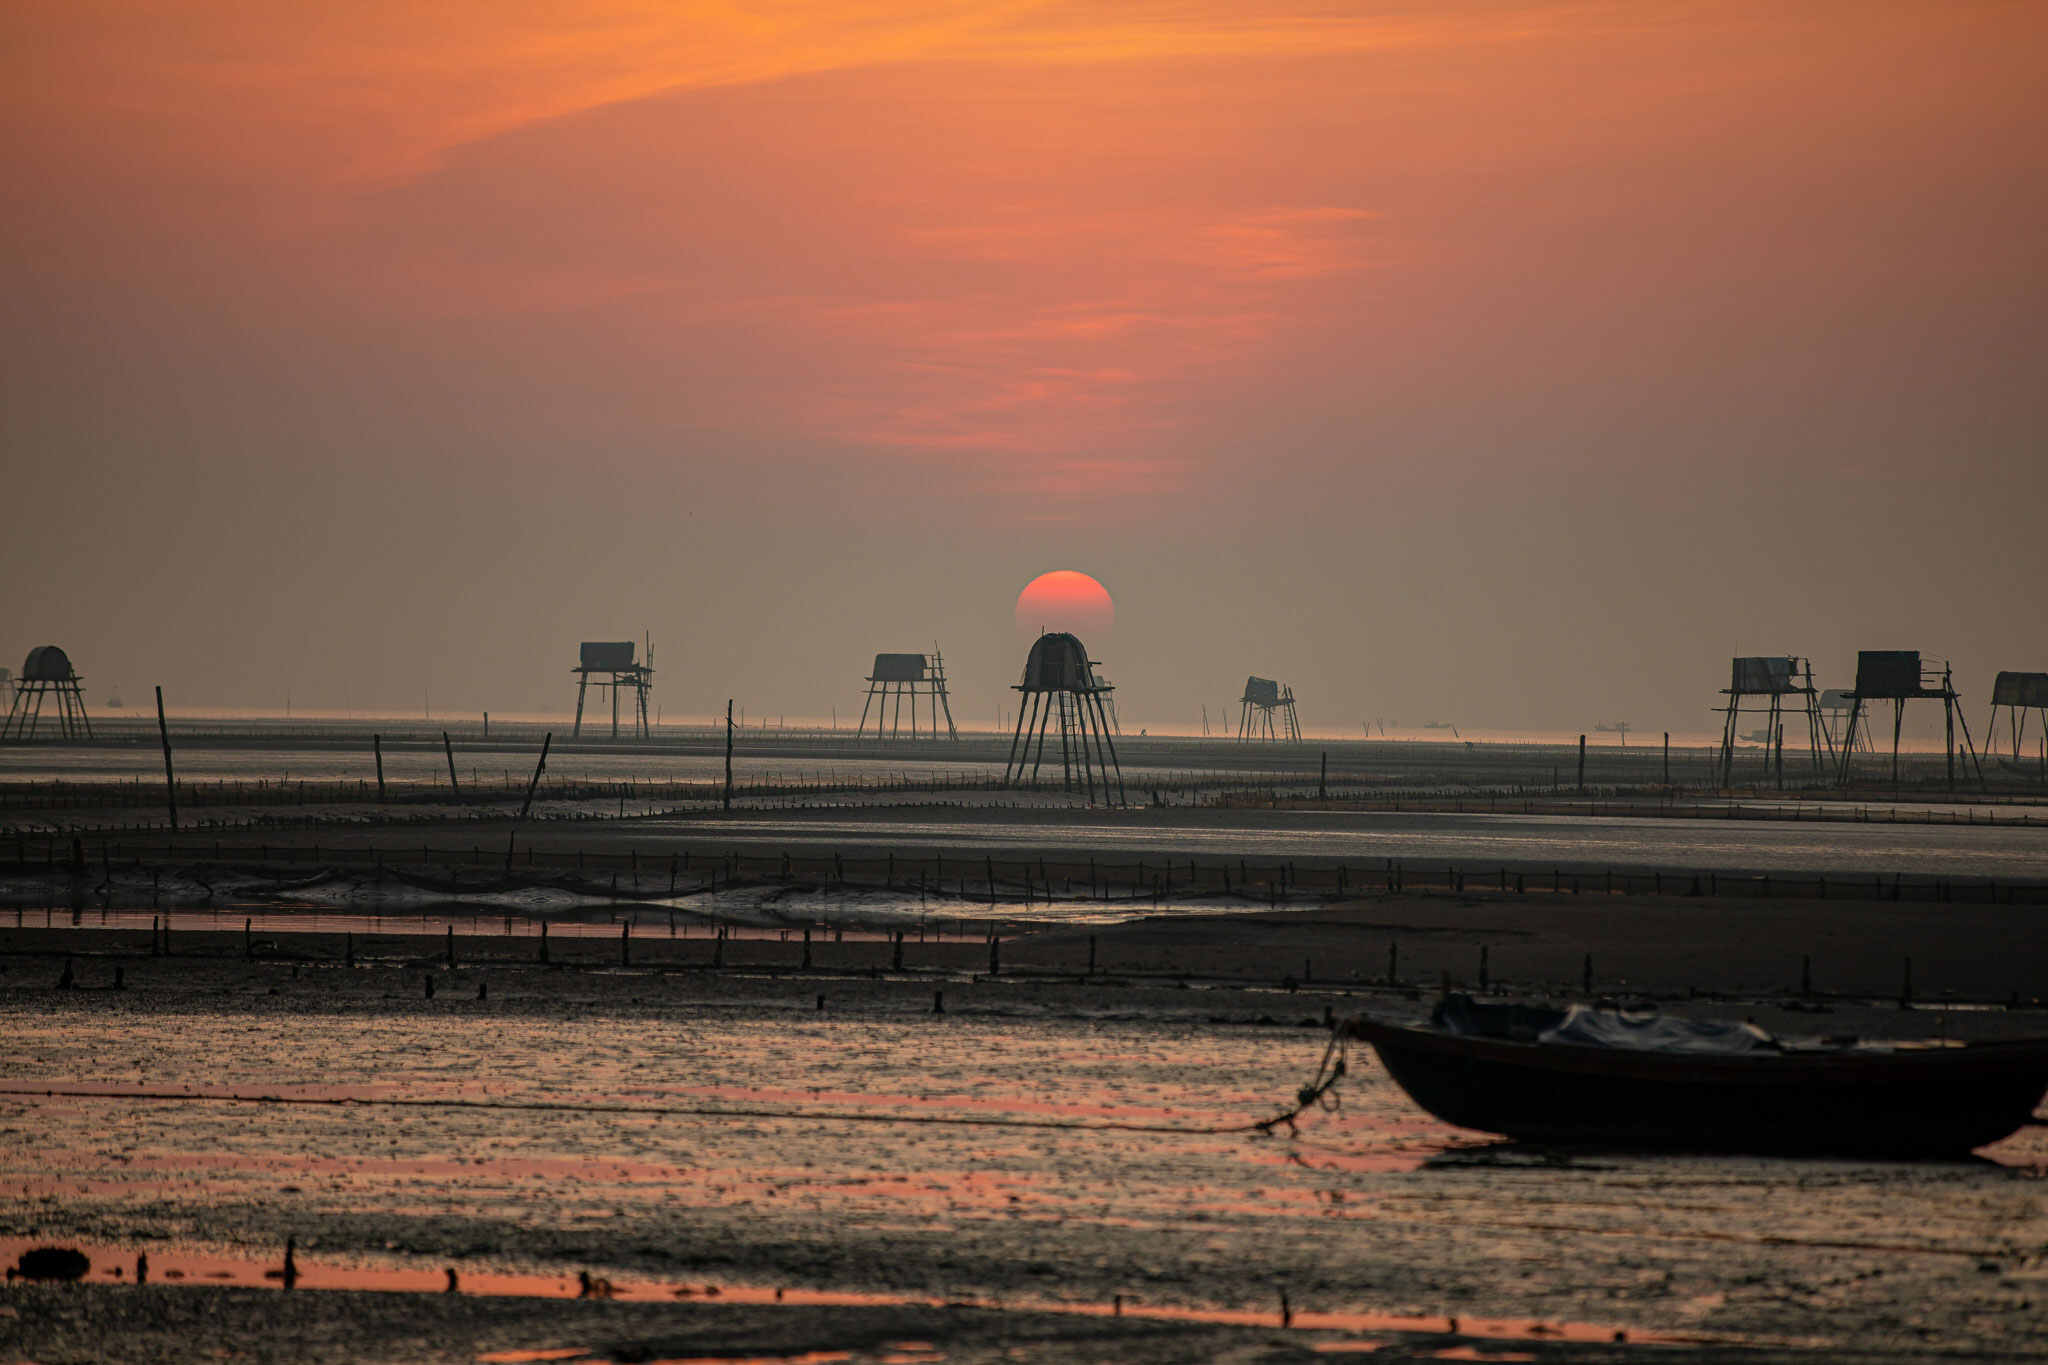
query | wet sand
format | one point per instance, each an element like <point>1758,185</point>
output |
<point>668,1126</point>
<point>279,778</point>
<point>1670,947</point>
<point>1010,853</point>
<point>159,1326</point>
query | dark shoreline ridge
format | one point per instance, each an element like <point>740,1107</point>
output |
<point>1891,967</point>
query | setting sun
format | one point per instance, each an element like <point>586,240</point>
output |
<point>1065,599</point>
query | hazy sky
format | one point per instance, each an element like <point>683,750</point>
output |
<point>1513,364</point>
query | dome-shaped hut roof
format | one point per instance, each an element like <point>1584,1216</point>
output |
<point>1059,663</point>
<point>47,663</point>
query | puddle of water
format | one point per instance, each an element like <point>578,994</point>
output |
<point>576,1355</point>
<point>1509,1329</point>
<point>113,1264</point>
<point>694,922</point>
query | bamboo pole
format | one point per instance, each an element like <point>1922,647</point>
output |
<point>170,779</point>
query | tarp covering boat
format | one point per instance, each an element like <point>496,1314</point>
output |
<point>1586,1026</point>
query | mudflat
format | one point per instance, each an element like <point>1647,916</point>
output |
<point>991,1179</point>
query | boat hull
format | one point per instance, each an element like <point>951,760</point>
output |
<point>1934,1102</point>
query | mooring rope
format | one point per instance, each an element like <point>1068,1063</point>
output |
<point>1318,1092</point>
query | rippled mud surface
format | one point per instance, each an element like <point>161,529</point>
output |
<point>722,1150</point>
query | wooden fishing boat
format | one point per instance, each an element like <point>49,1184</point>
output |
<point>1510,1070</point>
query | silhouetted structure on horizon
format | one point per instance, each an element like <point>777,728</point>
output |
<point>1060,677</point>
<point>45,674</point>
<point>2019,693</point>
<point>907,675</point>
<point>1264,703</point>
<point>1835,703</point>
<point>1898,676</point>
<point>1773,679</point>
<point>612,664</point>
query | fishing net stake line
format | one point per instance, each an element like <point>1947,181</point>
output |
<point>1318,1092</point>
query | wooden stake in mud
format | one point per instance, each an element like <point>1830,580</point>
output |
<point>512,837</point>
<point>728,753</point>
<point>543,940</point>
<point>1667,758</point>
<point>448,747</point>
<point>1323,781</point>
<point>1582,762</point>
<point>995,955</point>
<point>377,751</point>
<point>170,781</point>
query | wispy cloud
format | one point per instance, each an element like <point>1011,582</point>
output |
<point>1289,244</point>
<point>364,93</point>
<point>1197,296</point>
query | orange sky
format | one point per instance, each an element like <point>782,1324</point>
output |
<point>1118,286</point>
